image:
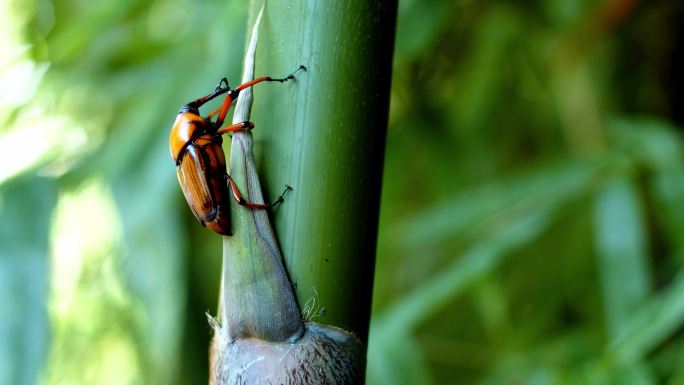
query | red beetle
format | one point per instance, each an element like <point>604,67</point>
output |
<point>200,163</point>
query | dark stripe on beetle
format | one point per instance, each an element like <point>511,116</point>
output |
<point>207,175</point>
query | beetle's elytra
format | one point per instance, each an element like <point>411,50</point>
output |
<point>195,145</point>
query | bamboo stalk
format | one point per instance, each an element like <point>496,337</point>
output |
<point>325,136</point>
<point>260,336</point>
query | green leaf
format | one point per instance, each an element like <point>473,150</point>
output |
<point>474,264</point>
<point>622,249</point>
<point>651,324</point>
<point>466,212</point>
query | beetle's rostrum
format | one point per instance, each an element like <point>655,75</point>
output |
<point>195,145</point>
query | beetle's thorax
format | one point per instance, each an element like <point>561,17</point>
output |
<point>188,125</point>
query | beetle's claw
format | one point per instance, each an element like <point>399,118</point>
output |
<point>220,87</point>
<point>290,76</point>
<point>301,67</point>
<point>288,188</point>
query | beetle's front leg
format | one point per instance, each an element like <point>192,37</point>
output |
<point>242,202</point>
<point>233,94</point>
<point>219,90</point>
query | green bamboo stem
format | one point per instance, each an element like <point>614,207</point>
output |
<point>324,135</point>
<point>337,123</point>
<point>260,335</point>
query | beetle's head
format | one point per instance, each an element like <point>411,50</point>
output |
<point>189,109</point>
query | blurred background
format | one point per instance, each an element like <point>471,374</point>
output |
<point>532,219</point>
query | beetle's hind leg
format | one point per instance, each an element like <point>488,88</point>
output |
<point>233,93</point>
<point>242,202</point>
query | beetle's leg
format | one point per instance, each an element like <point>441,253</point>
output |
<point>225,106</point>
<point>242,202</point>
<point>232,95</point>
<point>219,90</point>
<point>212,113</point>
<point>235,127</point>
<point>269,79</point>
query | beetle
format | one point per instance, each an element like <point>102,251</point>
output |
<point>195,145</point>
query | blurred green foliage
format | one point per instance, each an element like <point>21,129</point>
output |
<point>95,232</point>
<point>532,212</point>
<point>531,219</point>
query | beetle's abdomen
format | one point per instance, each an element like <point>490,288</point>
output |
<point>201,174</point>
